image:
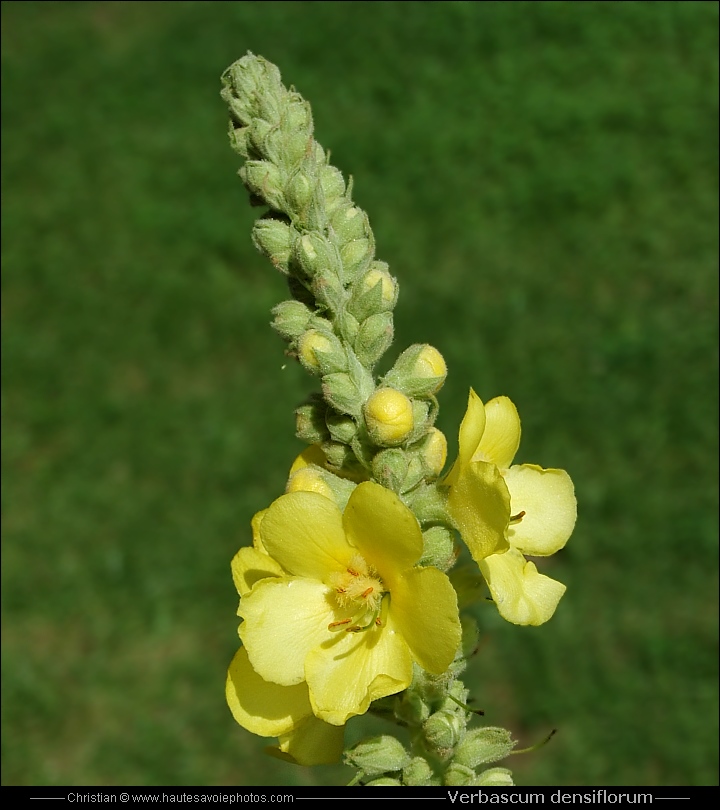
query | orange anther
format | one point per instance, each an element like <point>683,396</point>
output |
<point>367,592</point>
<point>337,624</point>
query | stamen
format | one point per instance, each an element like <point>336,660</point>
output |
<point>367,593</point>
<point>517,518</point>
<point>333,625</point>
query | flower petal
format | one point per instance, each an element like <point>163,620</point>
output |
<point>255,524</point>
<point>471,431</point>
<point>501,438</point>
<point>284,619</point>
<point>313,742</point>
<point>261,707</point>
<point>424,608</point>
<point>479,506</point>
<point>346,675</point>
<point>383,529</point>
<point>547,498</point>
<point>522,595</point>
<point>250,566</point>
<point>303,531</point>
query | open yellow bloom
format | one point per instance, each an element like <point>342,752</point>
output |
<point>504,512</point>
<point>335,608</point>
<point>265,708</point>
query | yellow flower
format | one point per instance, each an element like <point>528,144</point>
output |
<point>335,610</point>
<point>504,512</point>
<point>268,709</point>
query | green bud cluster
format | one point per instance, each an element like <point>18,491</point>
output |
<point>443,749</point>
<point>339,321</point>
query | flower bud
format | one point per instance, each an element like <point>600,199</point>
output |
<point>442,731</point>
<point>412,709</point>
<point>419,772</point>
<point>258,130</point>
<point>384,781</point>
<point>239,139</point>
<point>317,256</point>
<point>296,125</point>
<point>459,775</point>
<point>291,319</point>
<point>310,422</point>
<point>274,239</point>
<point>349,222</point>
<point>419,371</point>
<point>495,777</point>
<point>321,352</point>
<point>484,745</point>
<point>377,755</point>
<point>300,189</point>
<point>390,468</point>
<point>333,187</point>
<point>389,417</point>
<point>374,338</point>
<point>309,479</point>
<point>434,452</point>
<point>342,428</point>
<point>252,85</point>
<point>356,255</point>
<point>342,393</point>
<point>438,547</point>
<point>313,478</point>
<point>265,180</point>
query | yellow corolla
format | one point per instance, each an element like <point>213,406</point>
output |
<point>504,512</point>
<point>266,708</point>
<point>335,611</point>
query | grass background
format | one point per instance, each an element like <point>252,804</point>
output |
<point>542,179</point>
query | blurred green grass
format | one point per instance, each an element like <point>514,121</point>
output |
<point>541,177</point>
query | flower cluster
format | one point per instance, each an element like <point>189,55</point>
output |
<point>347,599</point>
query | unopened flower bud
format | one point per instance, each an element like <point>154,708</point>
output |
<point>384,781</point>
<point>438,547</point>
<point>356,255</point>
<point>434,452</point>
<point>457,774</point>
<point>342,393</point>
<point>321,352</point>
<point>317,256</point>
<point>291,319</point>
<point>342,428</point>
<point>333,187</point>
<point>310,422</point>
<point>419,772</point>
<point>296,126</point>
<point>309,479</point>
<point>442,731</point>
<point>389,417</point>
<point>239,139</point>
<point>419,371</point>
<point>349,222</point>
<point>373,292</point>
<point>265,180</point>
<point>484,745</point>
<point>390,468</point>
<point>495,777</point>
<point>412,709</point>
<point>300,189</point>
<point>247,83</point>
<point>378,755</point>
<point>374,337</point>
<point>274,239</point>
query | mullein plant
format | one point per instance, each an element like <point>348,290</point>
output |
<point>350,597</point>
